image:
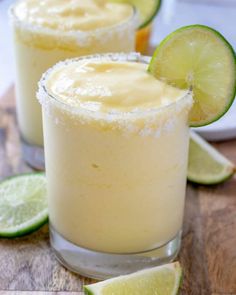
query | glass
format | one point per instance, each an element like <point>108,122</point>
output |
<point>38,48</point>
<point>116,195</point>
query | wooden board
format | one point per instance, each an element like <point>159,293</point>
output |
<point>208,253</point>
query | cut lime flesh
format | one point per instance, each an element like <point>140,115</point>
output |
<point>147,9</point>
<point>206,165</point>
<point>159,280</point>
<point>23,204</point>
<point>199,58</point>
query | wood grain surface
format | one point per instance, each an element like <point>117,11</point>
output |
<point>208,253</point>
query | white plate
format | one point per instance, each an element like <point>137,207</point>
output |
<point>223,129</point>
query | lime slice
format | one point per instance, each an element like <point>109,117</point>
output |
<point>23,204</point>
<point>199,58</point>
<point>206,165</point>
<point>147,9</point>
<point>159,280</point>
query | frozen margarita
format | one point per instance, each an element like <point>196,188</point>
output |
<point>116,146</point>
<point>48,31</point>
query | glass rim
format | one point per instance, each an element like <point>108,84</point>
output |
<point>134,18</point>
<point>117,57</point>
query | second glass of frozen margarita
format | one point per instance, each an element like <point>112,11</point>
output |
<point>116,148</point>
<point>48,31</point>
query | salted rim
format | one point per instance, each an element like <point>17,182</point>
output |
<point>44,96</point>
<point>133,19</point>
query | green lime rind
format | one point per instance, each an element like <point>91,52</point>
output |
<point>148,17</point>
<point>164,279</point>
<point>87,290</point>
<point>206,166</point>
<point>26,228</point>
<point>212,78</point>
<point>23,204</point>
<point>212,182</point>
<point>147,9</point>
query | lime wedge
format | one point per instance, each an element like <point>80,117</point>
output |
<point>164,279</point>
<point>147,9</point>
<point>206,165</point>
<point>199,58</point>
<point>23,204</point>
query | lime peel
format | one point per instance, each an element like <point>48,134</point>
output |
<point>206,165</point>
<point>164,279</point>
<point>23,204</point>
<point>147,9</point>
<point>199,57</point>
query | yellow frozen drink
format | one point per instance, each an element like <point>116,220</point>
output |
<point>116,146</point>
<point>48,31</point>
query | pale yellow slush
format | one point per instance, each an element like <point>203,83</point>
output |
<point>48,31</point>
<point>116,147</point>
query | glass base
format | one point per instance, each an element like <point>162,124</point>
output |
<point>100,265</point>
<point>33,155</point>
